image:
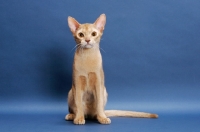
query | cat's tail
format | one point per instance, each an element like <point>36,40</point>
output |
<point>121,113</point>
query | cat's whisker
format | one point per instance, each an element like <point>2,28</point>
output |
<point>101,48</point>
<point>76,46</point>
<point>81,50</point>
<point>79,47</point>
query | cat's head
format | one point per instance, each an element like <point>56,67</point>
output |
<point>87,35</point>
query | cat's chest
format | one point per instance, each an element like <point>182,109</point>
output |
<point>88,63</point>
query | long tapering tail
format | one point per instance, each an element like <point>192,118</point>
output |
<point>113,113</point>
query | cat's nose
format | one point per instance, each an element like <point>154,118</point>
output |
<point>87,40</point>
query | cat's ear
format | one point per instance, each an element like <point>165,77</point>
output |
<point>73,24</point>
<point>100,22</point>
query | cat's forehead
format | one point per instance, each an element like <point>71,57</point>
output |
<point>87,28</point>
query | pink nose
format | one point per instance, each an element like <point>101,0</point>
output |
<point>87,40</point>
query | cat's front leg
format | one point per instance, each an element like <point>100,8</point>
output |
<point>79,89</point>
<point>101,117</point>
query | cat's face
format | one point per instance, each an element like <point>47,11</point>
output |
<point>87,35</point>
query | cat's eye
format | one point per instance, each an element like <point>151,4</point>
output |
<point>81,35</point>
<point>94,34</point>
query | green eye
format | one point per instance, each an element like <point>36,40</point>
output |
<point>94,34</point>
<point>81,35</point>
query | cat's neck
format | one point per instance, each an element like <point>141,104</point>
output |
<point>87,51</point>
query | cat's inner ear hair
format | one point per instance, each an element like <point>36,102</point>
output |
<point>100,22</point>
<point>73,24</point>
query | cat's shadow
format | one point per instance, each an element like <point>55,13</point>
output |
<point>57,71</point>
<point>87,122</point>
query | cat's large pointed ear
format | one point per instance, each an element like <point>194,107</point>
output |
<point>100,22</point>
<point>73,24</point>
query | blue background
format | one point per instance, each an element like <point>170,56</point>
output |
<point>151,63</point>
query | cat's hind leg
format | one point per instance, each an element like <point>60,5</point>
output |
<point>69,117</point>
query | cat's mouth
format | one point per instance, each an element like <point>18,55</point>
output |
<point>88,46</point>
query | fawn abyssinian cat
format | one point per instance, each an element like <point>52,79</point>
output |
<point>87,97</point>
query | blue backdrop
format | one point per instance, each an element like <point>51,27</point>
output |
<point>151,61</point>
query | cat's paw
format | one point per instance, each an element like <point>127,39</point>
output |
<point>79,121</point>
<point>104,120</point>
<point>69,117</point>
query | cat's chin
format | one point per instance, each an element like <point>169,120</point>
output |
<point>88,46</point>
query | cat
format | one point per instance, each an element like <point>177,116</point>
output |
<point>88,96</point>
